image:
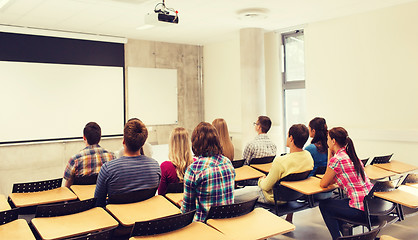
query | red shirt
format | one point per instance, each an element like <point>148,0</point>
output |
<point>168,175</point>
<point>348,180</point>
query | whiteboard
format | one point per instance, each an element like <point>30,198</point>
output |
<point>152,95</point>
<point>41,101</point>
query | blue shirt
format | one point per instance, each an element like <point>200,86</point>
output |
<point>320,159</point>
<point>126,174</point>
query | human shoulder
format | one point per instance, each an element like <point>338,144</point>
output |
<point>167,165</point>
<point>311,148</point>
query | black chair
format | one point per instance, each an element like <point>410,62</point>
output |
<point>364,161</point>
<point>231,210</point>
<point>262,160</point>
<point>320,170</point>
<point>101,235</point>
<point>406,211</point>
<point>370,235</point>
<point>175,187</point>
<point>131,197</point>
<point>411,178</point>
<point>37,186</point>
<point>376,210</point>
<point>290,196</point>
<point>61,209</point>
<point>8,216</point>
<point>238,163</point>
<point>381,159</point>
<point>162,225</point>
<point>288,200</point>
<point>85,180</point>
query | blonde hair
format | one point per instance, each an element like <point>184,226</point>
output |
<point>179,151</point>
<point>227,146</point>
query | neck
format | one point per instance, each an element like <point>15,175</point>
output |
<point>128,153</point>
<point>337,148</point>
<point>294,149</point>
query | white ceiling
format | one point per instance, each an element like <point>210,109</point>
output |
<point>200,21</point>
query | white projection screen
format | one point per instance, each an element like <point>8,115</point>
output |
<point>44,101</point>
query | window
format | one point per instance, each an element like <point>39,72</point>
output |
<point>293,72</point>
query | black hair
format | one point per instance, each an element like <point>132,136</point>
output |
<point>321,132</point>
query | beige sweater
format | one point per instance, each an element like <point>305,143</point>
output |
<point>282,166</point>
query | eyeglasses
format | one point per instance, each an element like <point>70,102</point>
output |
<point>254,123</point>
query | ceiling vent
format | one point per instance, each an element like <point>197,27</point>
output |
<point>253,14</point>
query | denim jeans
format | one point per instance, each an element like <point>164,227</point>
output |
<point>332,208</point>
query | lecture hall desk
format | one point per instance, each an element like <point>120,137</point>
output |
<point>84,192</point>
<point>92,220</point>
<point>4,205</point>
<point>404,195</point>
<point>397,166</point>
<point>174,198</point>
<point>246,172</point>
<point>155,207</point>
<point>375,173</point>
<point>265,168</point>
<point>37,198</point>
<point>16,230</point>
<point>193,231</point>
<point>309,187</point>
<point>258,224</point>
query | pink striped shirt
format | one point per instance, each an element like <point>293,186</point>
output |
<point>348,180</point>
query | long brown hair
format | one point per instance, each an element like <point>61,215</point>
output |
<point>321,131</point>
<point>205,140</point>
<point>341,137</point>
<point>227,146</point>
<point>179,151</point>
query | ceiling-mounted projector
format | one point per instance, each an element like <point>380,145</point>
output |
<point>161,18</point>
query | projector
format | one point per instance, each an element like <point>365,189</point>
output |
<point>160,19</point>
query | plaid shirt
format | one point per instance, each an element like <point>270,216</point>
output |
<point>209,181</point>
<point>261,146</point>
<point>87,162</point>
<point>348,179</point>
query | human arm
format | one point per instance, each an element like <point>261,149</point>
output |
<point>276,172</point>
<point>162,187</point>
<point>247,154</point>
<point>328,178</point>
<point>189,195</point>
<point>69,182</point>
<point>69,173</point>
<point>101,187</point>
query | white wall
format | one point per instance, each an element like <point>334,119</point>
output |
<point>40,161</point>
<point>361,73</point>
<point>222,86</point>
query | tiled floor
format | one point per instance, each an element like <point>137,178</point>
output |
<point>310,226</point>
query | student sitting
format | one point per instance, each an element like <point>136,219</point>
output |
<point>297,161</point>
<point>180,155</point>
<point>318,148</point>
<point>91,158</point>
<point>261,146</point>
<point>132,171</point>
<point>346,169</point>
<point>145,150</point>
<point>226,144</point>
<point>208,181</point>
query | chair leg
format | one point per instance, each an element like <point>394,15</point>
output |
<point>399,212</point>
<point>346,229</point>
